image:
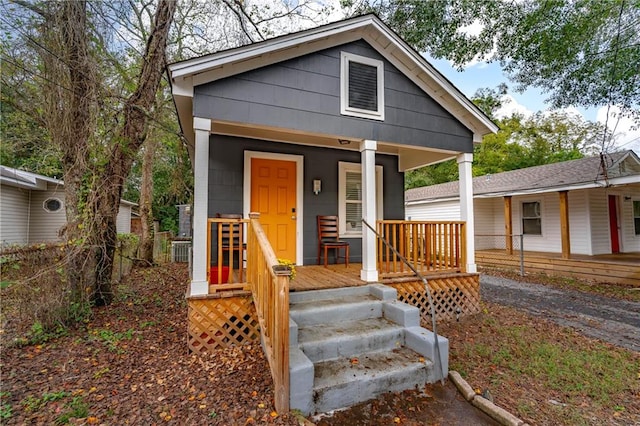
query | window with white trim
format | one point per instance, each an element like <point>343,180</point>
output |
<point>350,198</point>
<point>361,86</point>
<point>636,216</point>
<point>531,218</point>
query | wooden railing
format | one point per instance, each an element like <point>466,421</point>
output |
<point>430,247</point>
<point>270,287</point>
<point>226,272</point>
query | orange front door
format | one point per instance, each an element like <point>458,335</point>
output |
<point>273,195</point>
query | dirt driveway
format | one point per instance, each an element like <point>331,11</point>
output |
<point>612,320</point>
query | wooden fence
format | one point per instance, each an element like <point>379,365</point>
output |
<point>430,247</point>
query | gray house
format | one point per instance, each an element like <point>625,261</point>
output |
<point>320,122</point>
<point>32,208</point>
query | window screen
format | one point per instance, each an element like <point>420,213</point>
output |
<point>531,219</point>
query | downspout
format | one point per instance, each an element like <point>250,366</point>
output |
<point>29,219</point>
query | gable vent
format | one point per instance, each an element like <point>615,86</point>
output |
<point>363,86</point>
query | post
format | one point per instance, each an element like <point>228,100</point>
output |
<point>508,225</point>
<point>564,224</point>
<point>369,270</point>
<point>199,284</point>
<point>466,208</point>
<point>522,255</point>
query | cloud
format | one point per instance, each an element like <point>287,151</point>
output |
<point>510,106</point>
<point>627,133</point>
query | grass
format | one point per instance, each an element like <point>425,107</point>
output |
<point>521,358</point>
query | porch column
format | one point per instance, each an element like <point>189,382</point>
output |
<point>466,207</point>
<point>199,284</point>
<point>564,224</point>
<point>508,225</point>
<point>369,270</point>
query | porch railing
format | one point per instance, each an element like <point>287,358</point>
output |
<point>430,247</point>
<point>226,239</point>
<point>270,287</point>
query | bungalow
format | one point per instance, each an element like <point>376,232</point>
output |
<point>589,206</point>
<point>32,208</point>
<point>319,122</point>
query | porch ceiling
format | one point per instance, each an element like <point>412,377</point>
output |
<point>408,157</point>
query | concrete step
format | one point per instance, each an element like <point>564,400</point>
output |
<point>324,342</point>
<point>329,329</point>
<point>346,308</point>
<point>347,381</point>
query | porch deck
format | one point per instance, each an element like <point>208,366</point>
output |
<point>620,268</point>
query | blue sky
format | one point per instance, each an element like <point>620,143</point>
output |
<point>481,74</point>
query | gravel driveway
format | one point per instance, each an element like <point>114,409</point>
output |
<point>612,320</point>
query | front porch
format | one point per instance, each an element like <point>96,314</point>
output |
<point>226,315</point>
<point>619,268</point>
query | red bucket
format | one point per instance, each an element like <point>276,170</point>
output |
<point>213,275</point>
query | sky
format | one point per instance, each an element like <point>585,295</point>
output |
<point>481,74</point>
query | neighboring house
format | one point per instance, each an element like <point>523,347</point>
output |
<point>319,122</point>
<point>32,208</point>
<point>588,206</point>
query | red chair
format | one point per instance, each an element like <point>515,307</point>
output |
<point>329,239</point>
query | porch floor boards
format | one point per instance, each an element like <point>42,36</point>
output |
<point>317,277</point>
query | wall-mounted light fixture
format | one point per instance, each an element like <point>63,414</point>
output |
<point>344,141</point>
<point>627,198</point>
<point>317,186</point>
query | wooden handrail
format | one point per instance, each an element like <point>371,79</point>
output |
<point>430,246</point>
<point>270,288</point>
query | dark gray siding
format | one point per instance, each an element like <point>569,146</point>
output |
<point>226,163</point>
<point>304,94</point>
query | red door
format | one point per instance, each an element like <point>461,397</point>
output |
<point>613,224</point>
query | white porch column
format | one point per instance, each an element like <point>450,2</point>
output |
<point>466,207</point>
<point>369,270</point>
<point>199,284</point>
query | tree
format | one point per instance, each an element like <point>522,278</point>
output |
<point>97,148</point>
<point>520,142</point>
<point>580,52</point>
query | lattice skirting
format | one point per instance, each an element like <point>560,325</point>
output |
<point>453,297</point>
<point>221,322</point>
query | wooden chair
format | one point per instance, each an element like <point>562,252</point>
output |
<point>232,240</point>
<point>328,239</point>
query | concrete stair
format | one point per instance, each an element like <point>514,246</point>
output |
<point>349,345</point>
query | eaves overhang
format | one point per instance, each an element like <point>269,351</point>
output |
<point>186,75</point>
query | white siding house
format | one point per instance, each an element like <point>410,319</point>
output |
<point>600,210</point>
<point>32,208</point>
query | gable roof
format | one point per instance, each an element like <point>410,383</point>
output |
<point>33,181</point>
<point>185,75</point>
<point>621,168</point>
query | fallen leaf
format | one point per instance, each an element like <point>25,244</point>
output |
<point>396,419</point>
<point>261,405</point>
<point>354,361</point>
<point>274,414</point>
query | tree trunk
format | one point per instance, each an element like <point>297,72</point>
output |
<point>146,196</point>
<point>70,119</point>
<point>127,144</point>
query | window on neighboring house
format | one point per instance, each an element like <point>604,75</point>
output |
<point>531,219</point>
<point>362,86</point>
<point>636,216</point>
<point>52,204</point>
<point>350,198</point>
